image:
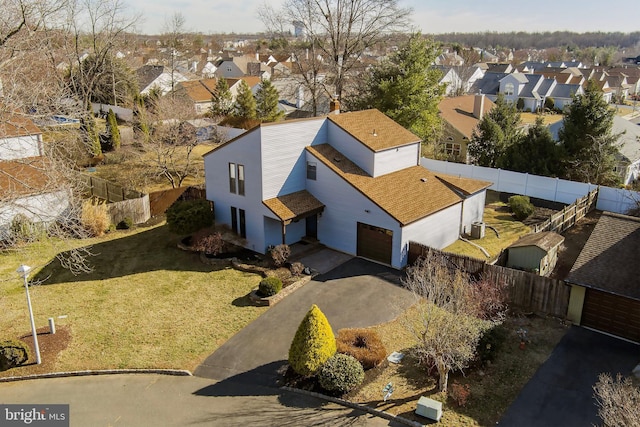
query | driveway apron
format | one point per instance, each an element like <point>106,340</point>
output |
<point>358,293</point>
<point>560,393</point>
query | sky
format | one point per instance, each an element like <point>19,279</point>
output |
<point>429,16</point>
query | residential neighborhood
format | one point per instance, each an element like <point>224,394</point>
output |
<point>335,219</point>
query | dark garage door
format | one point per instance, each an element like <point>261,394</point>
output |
<point>375,243</point>
<point>612,314</point>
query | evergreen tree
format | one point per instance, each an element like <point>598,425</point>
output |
<point>586,138</point>
<point>536,152</point>
<point>245,106</point>
<point>406,88</point>
<point>313,343</point>
<point>497,131</point>
<point>222,100</point>
<point>267,98</point>
<point>90,132</point>
<point>113,132</point>
<point>140,125</point>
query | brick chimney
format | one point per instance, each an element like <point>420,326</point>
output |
<point>334,106</point>
<point>478,106</point>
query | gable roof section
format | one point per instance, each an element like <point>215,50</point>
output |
<point>546,240</point>
<point>407,195</point>
<point>14,126</point>
<point>291,206</point>
<point>458,112</point>
<point>147,74</point>
<point>26,177</point>
<point>609,259</point>
<point>374,129</point>
<point>198,90</point>
<point>465,186</point>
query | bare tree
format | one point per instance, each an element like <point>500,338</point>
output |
<point>453,314</point>
<point>341,30</point>
<point>618,401</point>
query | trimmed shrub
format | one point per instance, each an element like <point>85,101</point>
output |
<point>313,344</point>
<point>208,242</point>
<point>520,104</point>
<point>549,103</point>
<point>13,353</point>
<point>125,224</point>
<point>341,373</point>
<point>521,207</point>
<point>188,216</point>
<point>269,286</point>
<point>296,269</point>
<point>491,343</point>
<point>95,218</point>
<point>280,254</point>
<point>363,344</point>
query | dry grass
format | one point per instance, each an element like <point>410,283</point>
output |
<point>530,118</point>
<point>147,304</point>
<point>492,387</point>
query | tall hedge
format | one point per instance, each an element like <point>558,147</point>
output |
<point>313,344</point>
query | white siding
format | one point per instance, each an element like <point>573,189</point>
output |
<point>20,147</point>
<point>472,210</point>
<point>395,159</point>
<point>345,207</point>
<point>283,158</point>
<point>438,230</point>
<point>272,232</point>
<point>355,151</point>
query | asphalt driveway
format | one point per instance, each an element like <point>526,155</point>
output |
<point>560,393</point>
<point>357,293</point>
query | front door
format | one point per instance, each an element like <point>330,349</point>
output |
<point>312,226</point>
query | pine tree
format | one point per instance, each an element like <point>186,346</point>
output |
<point>536,152</point>
<point>313,344</point>
<point>140,125</point>
<point>112,130</point>
<point>90,132</point>
<point>267,98</point>
<point>497,131</point>
<point>222,100</point>
<point>245,106</point>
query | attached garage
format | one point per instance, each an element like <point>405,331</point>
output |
<point>611,313</point>
<point>375,243</point>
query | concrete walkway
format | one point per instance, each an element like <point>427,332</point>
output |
<point>140,400</point>
<point>357,293</point>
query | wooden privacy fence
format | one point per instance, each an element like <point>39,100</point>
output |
<point>137,209</point>
<point>121,202</point>
<point>566,218</point>
<point>527,291</point>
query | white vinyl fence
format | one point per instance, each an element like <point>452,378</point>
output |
<point>554,189</point>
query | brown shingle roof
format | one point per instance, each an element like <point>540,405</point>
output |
<point>293,205</point>
<point>13,126</point>
<point>458,112</point>
<point>407,195</point>
<point>25,177</point>
<point>609,259</point>
<point>546,240</point>
<point>198,90</point>
<point>375,130</point>
<point>465,185</point>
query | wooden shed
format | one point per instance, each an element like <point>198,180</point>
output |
<point>535,252</point>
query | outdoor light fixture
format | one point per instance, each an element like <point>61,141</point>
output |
<point>23,271</point>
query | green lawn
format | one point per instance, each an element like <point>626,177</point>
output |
<point>146,304</point>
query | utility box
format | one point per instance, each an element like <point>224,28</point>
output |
<point>429,408</point>
<point>477,230</point>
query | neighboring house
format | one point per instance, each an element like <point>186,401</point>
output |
<point>253,82</point>
<point>198,92</point>
<point>28,183</point>
<point>352,181</point>
<point>605,291</point>
<point>157,77</point>
<point>536,252</point>
<point>240,66</point>
<point>459,80</point>
<point>461,115</point>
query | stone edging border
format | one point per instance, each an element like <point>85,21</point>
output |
<point>272,300</point>
<point>174,372</point>
<point>348,404</point>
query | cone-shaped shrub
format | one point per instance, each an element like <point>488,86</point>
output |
<point>313,344</point>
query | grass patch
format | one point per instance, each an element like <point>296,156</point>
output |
<point>530,118</point>
<point>147,304</point>
<point>493,387</point>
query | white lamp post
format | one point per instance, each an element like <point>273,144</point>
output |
<point>24,270</point>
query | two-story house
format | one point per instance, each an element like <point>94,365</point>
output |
<point>353,181</point>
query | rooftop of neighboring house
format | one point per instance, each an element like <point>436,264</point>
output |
<point>250,80</point>
<point>148,73</point>
<point>15,126</point>
<point>25,177</point>
<point>608,259</point>
<point>458,112</point>
<point>198,90</point>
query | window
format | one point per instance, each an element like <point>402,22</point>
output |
<point>238,222</point>
<point>232,177</point>
<point>243,227</point>
<point>453,149</point>
<point>508,89</point>
<point>241,180</point>
<point>234,219</point>
<point>311,171</point>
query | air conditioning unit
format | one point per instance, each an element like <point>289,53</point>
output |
<point>477,230</point>
<point>429,408</point>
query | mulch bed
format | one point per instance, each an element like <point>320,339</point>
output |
<point>50,347</point>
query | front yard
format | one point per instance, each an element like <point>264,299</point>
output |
<point>147,304</point>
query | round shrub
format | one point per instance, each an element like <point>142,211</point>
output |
<point>269,286</point>
<point>363,344</point>
<point>341,373</point>
<point>313,343</point>
<point>521,207</point>
<point>12,353</point>
<point>188,216</point>
<point>125,224</point>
